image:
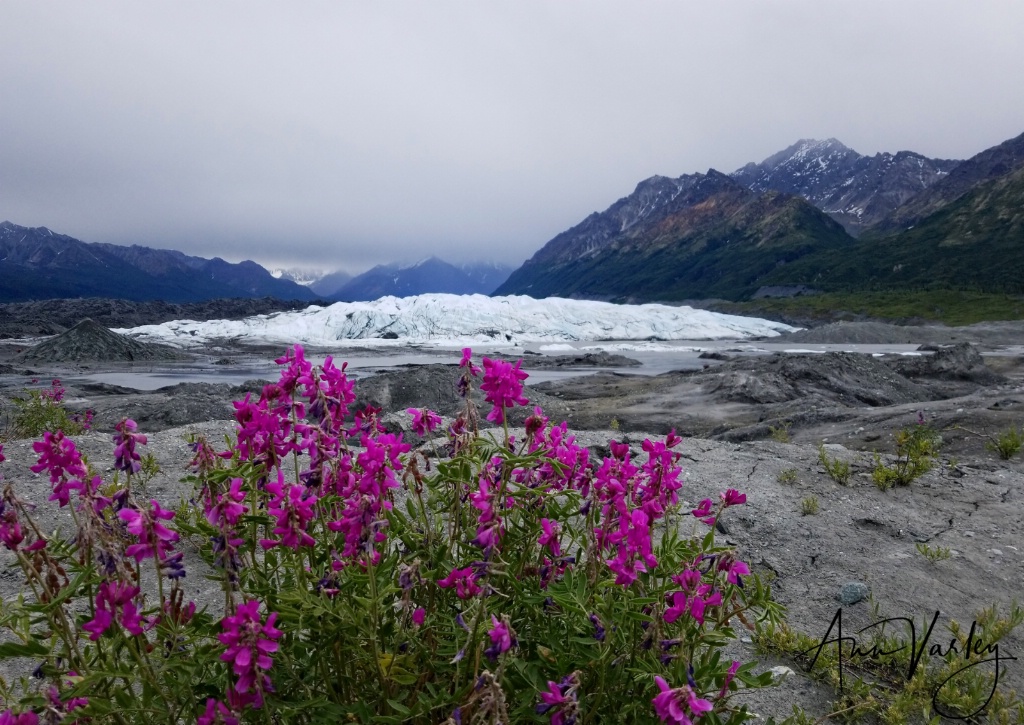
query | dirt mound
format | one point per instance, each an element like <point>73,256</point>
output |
<point>849,379</point>
<point>600,359</point>
<point>957,362</point>
<point>90,341</point>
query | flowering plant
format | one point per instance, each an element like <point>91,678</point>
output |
<point>481,578</point>
<point>42,409</point>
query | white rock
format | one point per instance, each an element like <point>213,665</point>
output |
<point>780,673</point>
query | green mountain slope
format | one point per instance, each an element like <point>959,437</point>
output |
<point>973,243</point>
<point>726,244</point>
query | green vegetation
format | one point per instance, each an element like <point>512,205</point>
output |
<point>39,411</point>
<point>1006,444</point>
<point>948,306</point>
<point>938,553</point>
<point>883,686</point>
<point>780,433</point>
<point>787,476</point>
<point>809,506</point>
<point>838,471</point>
<point>915,452</point>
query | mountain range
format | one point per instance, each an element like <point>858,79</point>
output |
<point>816,216</point>
<point>36,263</point>
<point>426,276</point>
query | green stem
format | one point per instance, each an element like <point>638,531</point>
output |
<point>375,625</point>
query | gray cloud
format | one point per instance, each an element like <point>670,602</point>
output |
<point>348,134</point>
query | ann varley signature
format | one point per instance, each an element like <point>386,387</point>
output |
<point>974,646</point>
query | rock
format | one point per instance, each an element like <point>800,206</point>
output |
<point>780,673</point>
<point>852,592</point>
<point>89,340</point>
<point>960,362</point>
<point>600,359</point>
<point>714,355</point>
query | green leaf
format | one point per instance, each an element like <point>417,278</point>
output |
<point>399,707</point>
<point>28,649</point>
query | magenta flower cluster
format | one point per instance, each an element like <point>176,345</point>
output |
<point>249,642</point>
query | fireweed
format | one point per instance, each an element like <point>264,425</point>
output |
<point>493,579</point>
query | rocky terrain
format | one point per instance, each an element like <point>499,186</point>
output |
<point>88,341</point>
<point>859,549</point>
<point>53,316</point>
<point>857,191</point>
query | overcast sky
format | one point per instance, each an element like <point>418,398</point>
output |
<point>343,134</point>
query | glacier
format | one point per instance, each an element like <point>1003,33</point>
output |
<point>455,320</point>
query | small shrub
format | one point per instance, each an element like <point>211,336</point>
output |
<point>938,553</point>
<point>809,506</point>
<point>615,425</point>
<point>40,411</point>
<point>838,471</point>
<point>873,687</point>
<point>1006,444</point>
<point>787,476</point>
<point>915,452</point>
<point>780,433</point>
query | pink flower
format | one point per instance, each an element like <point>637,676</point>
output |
<point>125,440</point>
<point>728,678</point>
<point>64,707</point>
<point>703,512</point>
<point>464,581</point>
<point>561,698</point>
<point>503,387</point>
<point>7,717</point>
<point>59,457</point>
<point>490,527</point>
<point>695,603</point>
<point>115,598</point>
<point>549,537</point>
<point>423,421</point>
<point>155,539</point>
<point>732,497</point>
<point>678,705</point>
<point>467,361</point>
<point>293,511</point>
<point>10,529</point>
<point>216,713</point>
<point>503,638</point>
<point>419,616</point>
<point>225,513</point>
<point>249,644</point>
<point>734,568</point>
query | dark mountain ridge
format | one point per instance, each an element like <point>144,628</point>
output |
<point>431,275</point>
<point>927,224</point>
<point>992,163</point>
<point>36,263</point>
<point>857,191</point>
<point>701,235</point>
